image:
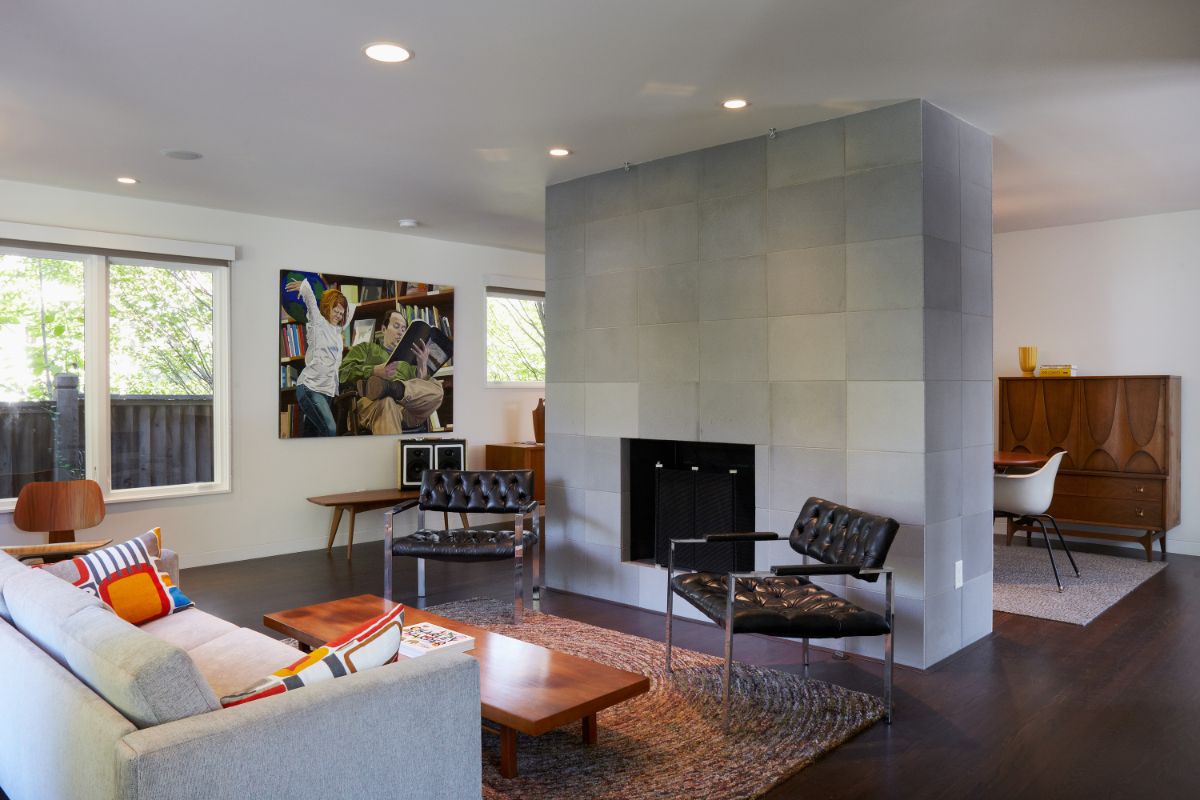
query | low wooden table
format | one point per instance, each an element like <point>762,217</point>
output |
<point>356,503</point>
<point>523,688</point>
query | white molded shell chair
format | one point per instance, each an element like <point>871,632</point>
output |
<point>1024,498</point>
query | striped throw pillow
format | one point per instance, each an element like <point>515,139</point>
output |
<point>126,576</point>
<point>372,644</point>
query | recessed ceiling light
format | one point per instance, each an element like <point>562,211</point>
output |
<point>124,179</point>
<point>182,155</point>
<point>408,223</point>
<point>387,52</point>
<point>735,103</point>
<point>559,152</point>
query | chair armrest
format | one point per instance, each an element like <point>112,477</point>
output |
<point>749,536</point>
<point>529,508</point>
<point>285,745</point>
<point>816,569</point>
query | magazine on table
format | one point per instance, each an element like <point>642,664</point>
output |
<point>424,638</point>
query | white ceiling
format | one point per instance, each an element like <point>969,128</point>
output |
<point>1095,104</point>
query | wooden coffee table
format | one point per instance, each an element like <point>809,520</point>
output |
<point>523,688</point>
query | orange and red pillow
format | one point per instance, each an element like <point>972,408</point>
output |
<point>126,576</point>
<point>372,644</point>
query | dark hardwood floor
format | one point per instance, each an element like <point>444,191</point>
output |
<point>1038,709</point>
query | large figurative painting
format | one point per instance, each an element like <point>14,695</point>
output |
<point>360,356</point>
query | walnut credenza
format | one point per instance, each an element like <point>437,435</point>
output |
<point>1121,436</point>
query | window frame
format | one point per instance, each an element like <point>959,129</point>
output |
<point>517,288</point>
<point>97,422</point>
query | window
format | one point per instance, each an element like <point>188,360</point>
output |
<point>516,336</point>
<point>112,368</point>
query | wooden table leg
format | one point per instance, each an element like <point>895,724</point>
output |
<point>350,541</point>
<point>589,729</point>
<point>1162,544</point>
<point>333,527</point>
<point>508,752</point>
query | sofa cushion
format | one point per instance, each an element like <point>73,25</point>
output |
<point>372,644</point>
<point>9,567</point>
<point>188,629</point>
<point>40,604</point>
<point>126,576</point>
<point>237,659</point>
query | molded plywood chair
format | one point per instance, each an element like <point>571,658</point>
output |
<point>59,508</point>
<point>1025,498</point>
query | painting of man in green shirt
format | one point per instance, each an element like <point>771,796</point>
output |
<point>399,396</point>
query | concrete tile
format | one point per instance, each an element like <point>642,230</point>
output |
<point>909,543</point>
<point>732,226</point>
<point>809,153</point>
<point>976,282</point>
<point>943,415</point>
<point>943,486</point>
<point>809,414</point>
<point>909,636</point>
<point>565,460</point>
<point>668,181</point>
<point>564,304</point>
<point>613,245</point>
<point>888,273</point>
<point>603,512</point>
<point>811,281</point>
<point>733,288</point>
<point>777,553</point>
<point>807,347</point>
<point>977,614</point>
<point>909,575</point>
<point>943,626</point>
<point>977,543</point>
<point>565,251</point>
<point>940,196</point>
<point>943,345</point>
<point>798,473</point>
<point>977,480</point>
<point>612,355</point>
<point>977,351</point>
<point>884,203</point>
<point>884,136</point>
<point>762,480</point>
<point>670,234</point>
<point>610,409</point>
<point>612,194</point>
<point>566,355</point>
<point>652,588</point>
<point>565,408</point>
<point>735,412</point>
<point>611,300</point>
<point>604,576</point>
<point>806,215</point>
<point>939,139</point>
<point>734,168</point>
<point>782,522</point>
<point>669,411</point>
<point>885,345</point>
<point>885,415</point>
<point>974,155</point>
<point>976,216</point>
<point>733,350</point>
<point>567,507</point>
<point>602,463</point>
<point>667,294</point>
<point>566,203</point>
<point>668,353</point>
<point>943,275</point>
<point>892,484</point>
<point>977,418</point>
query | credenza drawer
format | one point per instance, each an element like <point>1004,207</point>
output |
<point>1141,489</point>
<point>1108,511</point>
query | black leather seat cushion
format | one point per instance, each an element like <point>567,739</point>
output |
<point>780,606</point>
<point>460,544</point>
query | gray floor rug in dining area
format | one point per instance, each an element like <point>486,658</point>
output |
<point>669,742</point>
<point>1023,582</point>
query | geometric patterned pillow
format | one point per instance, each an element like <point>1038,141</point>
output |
<point>372,644</point>
<point>126,576</point>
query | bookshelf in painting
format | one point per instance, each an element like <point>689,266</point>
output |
<point>373,299</point>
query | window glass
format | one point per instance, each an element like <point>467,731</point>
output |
<point>516,338</point>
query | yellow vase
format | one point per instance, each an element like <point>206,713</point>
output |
<point>1027,357</point>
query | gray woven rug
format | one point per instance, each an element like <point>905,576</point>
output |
<point>1023,582</point>
<point>668,743</point>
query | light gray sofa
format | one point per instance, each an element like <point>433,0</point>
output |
<point>93,707</point>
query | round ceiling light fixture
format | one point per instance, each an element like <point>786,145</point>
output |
<point>408,222</point>
<point>387,52</point>
<point>735,104</point>
<point>127,180</point>
<point>182,155</point>
<point>559,152</point>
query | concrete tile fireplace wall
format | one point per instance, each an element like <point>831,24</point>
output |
<point>825,296</point>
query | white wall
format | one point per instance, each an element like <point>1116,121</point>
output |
<point>1117,297</point>
<point>266,512</point>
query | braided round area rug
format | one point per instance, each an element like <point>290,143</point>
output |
<point>669,742</point>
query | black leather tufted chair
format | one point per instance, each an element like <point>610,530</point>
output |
<point>783,601</point>
<point>489,492</point>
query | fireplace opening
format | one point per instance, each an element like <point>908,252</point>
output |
<point>681,490</point>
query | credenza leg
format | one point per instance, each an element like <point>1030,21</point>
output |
<point>589,729</point>
<point>350,541</point>
<point>508,752</point>
<point>1162,544</point>
<point>1148,543</point>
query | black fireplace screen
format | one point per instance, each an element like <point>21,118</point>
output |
<point>691,502</point>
